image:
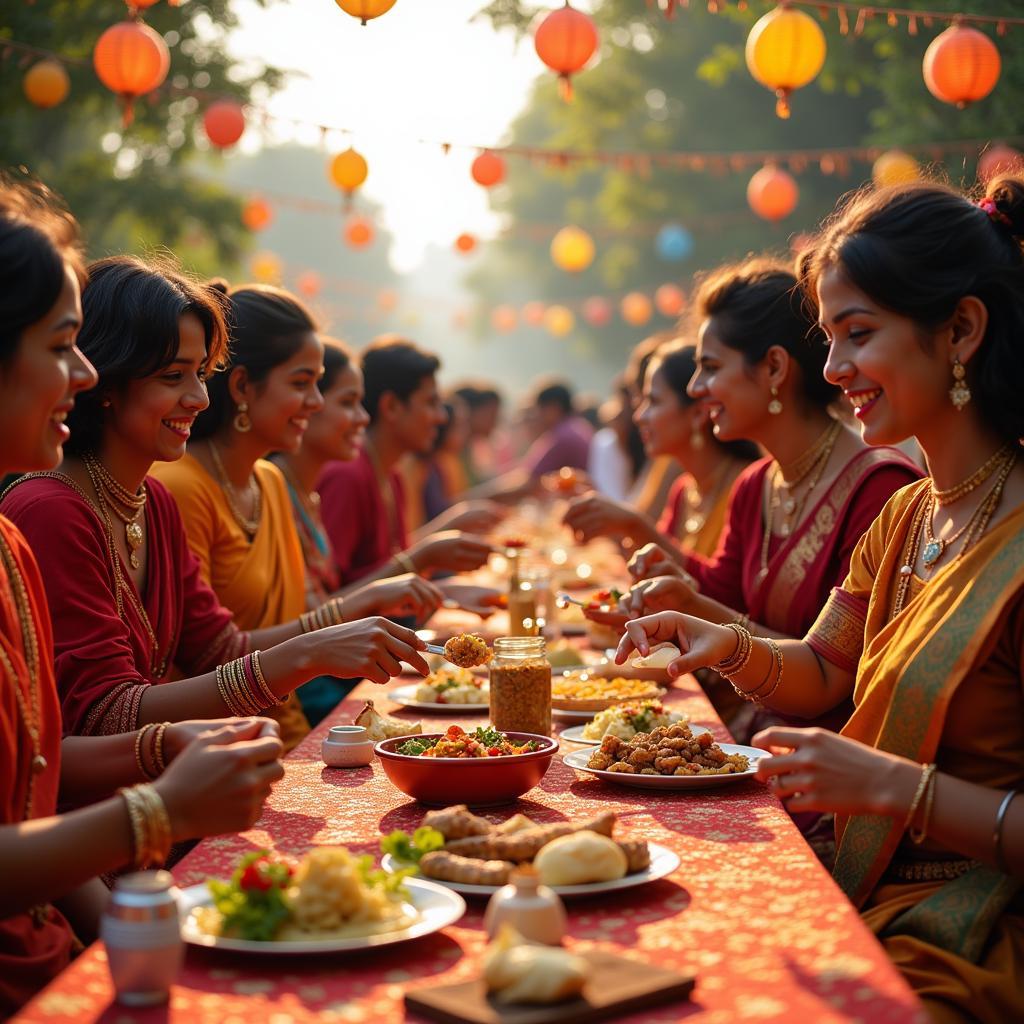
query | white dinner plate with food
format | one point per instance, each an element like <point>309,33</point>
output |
<point>432,907</point>
<point>406,696</point>
<point>572,716</point>
<point>574,734</point>
<point>578,759</point>
<point>663,863</point>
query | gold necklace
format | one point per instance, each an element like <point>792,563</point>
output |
<point>118,498</point>
<point>697,519</point>
<point>28,707</point>
<point>976,479</point>
<point>803,464</point>
<point>249,526</point>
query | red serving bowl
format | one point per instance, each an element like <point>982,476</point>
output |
<point>477,781</point>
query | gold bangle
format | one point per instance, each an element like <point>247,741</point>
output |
<point>737,661</point>
<point>997,835</point>
<point>742,619</point>
<point>405,562</point>
<point>158,824</point>
<point>225,692</point>
<point>926,773</point>
<point>269,696</point>
<point>919,835</point>
<point>139,762</point>
<point>136,820</point>
<point>243,689</point>
<point>159,758</point>
<point>776,660</point>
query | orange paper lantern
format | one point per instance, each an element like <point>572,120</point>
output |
<point>309,283</point>
<point>365,10</point>
<point>348,171</point>
<point>559,320</point>
<point>572,250</point>
<point>131,60</point>
<point>785,50</point>
<point>670,300</point>
<point>961,66</point>
<point>266,267</point>
<point>488,169</point>
<point>387,299</point>
<point>565,40</point>
<point>358,232</point>
<point>504,319</point>
<point>533,314</point>
<point>597,311</point>
<point>257,214</point>
<point>224,123</point>
<point>772,193</point>
<point>999,159</point>
<point>636,309</point>
<point>46,83</point>
<point>465,243</point>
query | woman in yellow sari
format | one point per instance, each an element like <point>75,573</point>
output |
<point>921,293</point>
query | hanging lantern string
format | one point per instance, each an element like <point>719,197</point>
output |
<point>861,14</point>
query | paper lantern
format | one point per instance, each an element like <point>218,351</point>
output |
<point>674,243</point>
<point>504,319</point>
<point>895,168</point>
<point>348,171</point>
<point>772,193</point>
<point>387,299</point>
<point>141,5</point>
<point>670,300</point>
<point>358,232</point>
<point>533,314</point>
<point>257,214</point>
<point>309,283</point>
<point>465,243</point>
<point>488,169</point>
<point>559,320</point>
<point>224,123</point>
<point>565,40</point>
<point>785,50</point>
<point>636,309</point>
<point>46,83</point>
<point>961,66</point>
<point>999,159</point>
<point>572,249</point>
<point>597,311</point>
<point>131,60</point>
<point>266,267</point>
<point>365,10</point>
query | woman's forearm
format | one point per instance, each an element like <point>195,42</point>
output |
<point>715,611</point>
<point>92,767</point>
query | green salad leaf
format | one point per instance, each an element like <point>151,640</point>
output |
<point>253,904</point>
<point>416,747</point>
<point>409,850</point>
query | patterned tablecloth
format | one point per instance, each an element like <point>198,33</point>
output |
<point>750,911</point>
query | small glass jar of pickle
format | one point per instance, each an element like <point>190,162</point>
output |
<point>520,685</point>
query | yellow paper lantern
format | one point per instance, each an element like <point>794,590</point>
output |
<point>266,268</point>
<point>348,171</point>
<point>895,168</point>
<point>636,309</point>
<point>366,10</point>
<point>785,51</point>
<point>572,249</point>
<point>559,320</point>
<point>46,83</point>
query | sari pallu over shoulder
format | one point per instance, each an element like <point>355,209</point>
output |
<point>909,671</point>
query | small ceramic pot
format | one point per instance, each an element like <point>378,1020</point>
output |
<point>347,746</point>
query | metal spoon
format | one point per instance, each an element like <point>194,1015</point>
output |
<point>564,600</point>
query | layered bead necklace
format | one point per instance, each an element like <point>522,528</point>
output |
<point>126,506</point>
<point>249,526</point>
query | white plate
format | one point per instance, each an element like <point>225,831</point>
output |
<point>663,862</point>
<point>578,759</point>
<point>575,734</point>
<point>406,696</point>
<point>573,716</point>
<point>437,906</point>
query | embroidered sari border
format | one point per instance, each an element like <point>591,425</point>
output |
<point>838,632</point>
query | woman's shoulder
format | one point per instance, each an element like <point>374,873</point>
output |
<point>43,496</point>
<point>186,472</point>
<point>870,459</point>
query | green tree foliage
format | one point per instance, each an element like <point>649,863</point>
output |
<point>132,190</point>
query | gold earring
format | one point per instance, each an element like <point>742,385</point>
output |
<point>775,406</point>
<point>959,393</point>
<point>242,423</point>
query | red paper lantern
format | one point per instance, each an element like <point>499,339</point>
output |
<point>224,123</point>
<point>999,159</point>
<point>504,319</point>
<point>533,314</point>
<point>961,66</point>
<point>565,40</point>
<point>131,60</point>
<point>257,214</point>
<point>358,233</point>
<point>309,283</point>
<point>465,243</point>
<point>670,300</point>
<point>772,193</point>
<point>597,311</point>
<point>488,169</point>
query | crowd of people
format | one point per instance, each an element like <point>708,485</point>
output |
<point>218,519</point>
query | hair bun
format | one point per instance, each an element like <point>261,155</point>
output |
<point>218,284</point>
<point>1007,192</point>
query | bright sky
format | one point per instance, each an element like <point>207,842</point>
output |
<point>422,70</point>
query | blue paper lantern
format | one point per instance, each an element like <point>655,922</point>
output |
<point>674,243</point>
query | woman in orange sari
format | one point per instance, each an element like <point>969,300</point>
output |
<point>921,293</point>
<point>212,785</point>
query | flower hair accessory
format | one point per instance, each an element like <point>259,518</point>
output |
<point>994,213</point>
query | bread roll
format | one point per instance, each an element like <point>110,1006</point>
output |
<point>661,656</point>
<point>580,858</point>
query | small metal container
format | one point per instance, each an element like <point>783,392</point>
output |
<point>142,933</point>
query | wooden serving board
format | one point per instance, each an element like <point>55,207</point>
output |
<point>617,986</point>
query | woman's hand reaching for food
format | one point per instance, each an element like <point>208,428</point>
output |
<point>701,644</point>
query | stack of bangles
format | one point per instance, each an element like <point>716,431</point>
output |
<point>328,614</point>
<point>151,828</point>
<point>739,659</point>
<point>150,739</point>
<point>243,687</point>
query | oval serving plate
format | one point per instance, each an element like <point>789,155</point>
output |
<point>574,734</point>
<point>406,696</point>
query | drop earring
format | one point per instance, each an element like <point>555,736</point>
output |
<point>959,393</point>
<point>242,423</point>
<point>775,406</point>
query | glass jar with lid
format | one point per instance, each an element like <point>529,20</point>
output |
<point>520,685</point>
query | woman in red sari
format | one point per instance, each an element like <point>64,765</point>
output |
<point>212,785</point>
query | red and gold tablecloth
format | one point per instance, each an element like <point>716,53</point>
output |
<point>750,911</point>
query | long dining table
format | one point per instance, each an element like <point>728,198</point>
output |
<point>750,912</point>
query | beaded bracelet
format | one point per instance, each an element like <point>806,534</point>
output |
<point>737,661</point>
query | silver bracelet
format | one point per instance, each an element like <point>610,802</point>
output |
<point>997,835</point>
